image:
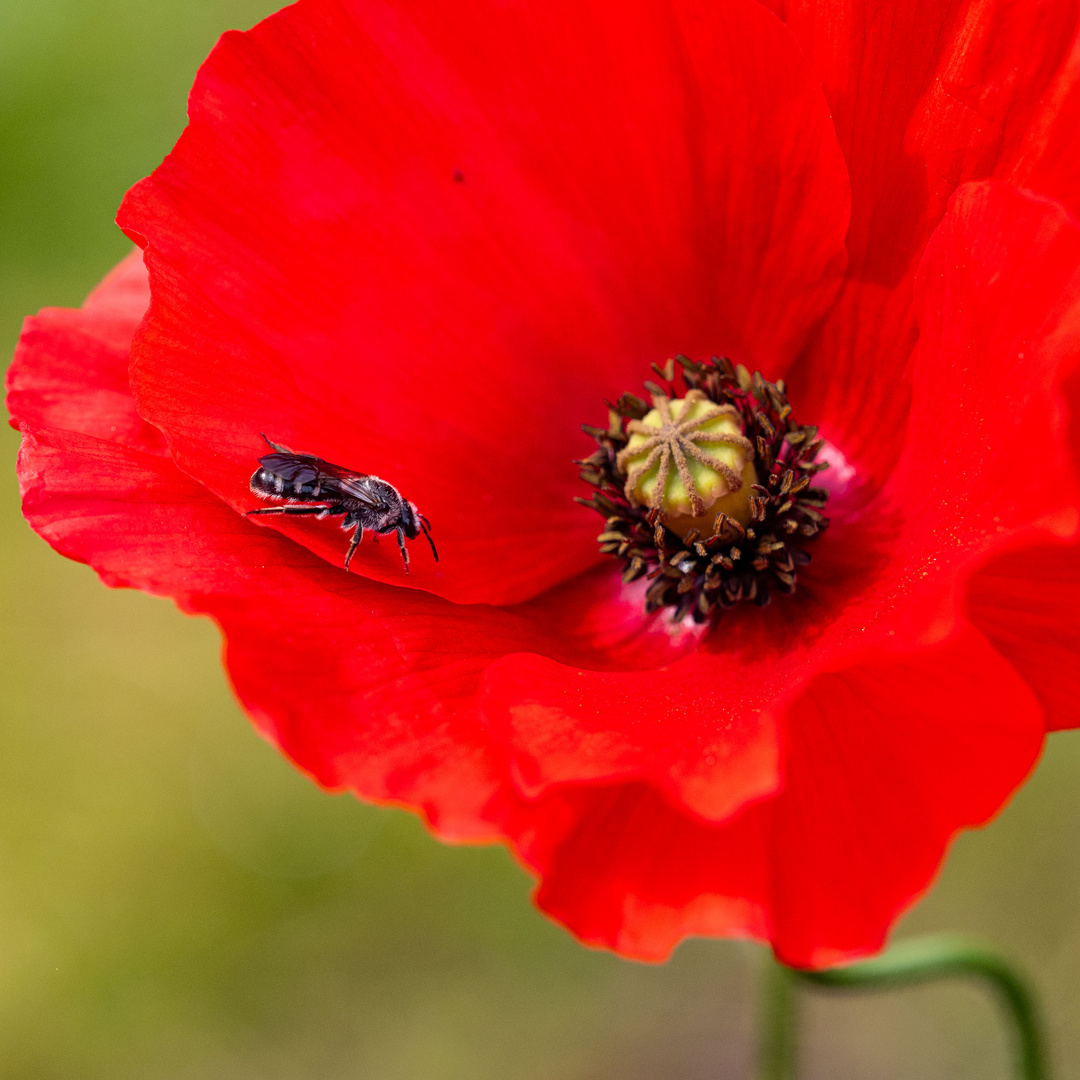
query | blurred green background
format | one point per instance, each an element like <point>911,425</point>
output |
<point>176,902</point>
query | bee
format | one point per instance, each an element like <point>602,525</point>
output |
<point>309,485</point>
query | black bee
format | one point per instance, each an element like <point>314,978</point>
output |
<point>309,485</point>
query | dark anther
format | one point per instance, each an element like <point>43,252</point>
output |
<point>631,407</point>
<point>700,574</point>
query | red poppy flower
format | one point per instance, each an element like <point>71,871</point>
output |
<point>427,241</point>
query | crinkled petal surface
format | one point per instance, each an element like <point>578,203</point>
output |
<point>1026,602</point>
<point>426,241</point>
<point>795,774</point>
<point>926,95</point>
<point>875,784</point>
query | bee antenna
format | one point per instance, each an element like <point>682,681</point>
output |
<point>425,525</point>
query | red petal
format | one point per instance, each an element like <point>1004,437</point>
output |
<point>319,275</point>
<point>996,306</point>
<point>928,94</point>
<point>884,762</point>
<point>672,727</point>
<point>48,384</point>
<point>998,298</point>
<point>1026,603</point>
<point>1049,159</point>
<point>855,379</point>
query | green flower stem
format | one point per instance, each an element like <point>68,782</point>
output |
<point>779,1024</point>
<point>907,963</point>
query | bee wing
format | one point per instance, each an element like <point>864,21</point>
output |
<point>291,467</point>
<point>359,488</point>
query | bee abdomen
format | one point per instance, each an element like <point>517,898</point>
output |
<point>269,484</point>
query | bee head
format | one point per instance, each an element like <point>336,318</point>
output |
<point>410,519</point>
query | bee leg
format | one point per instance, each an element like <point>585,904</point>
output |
<point>354,543</point>
<point>404,549</point>
<point>288,510</point>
